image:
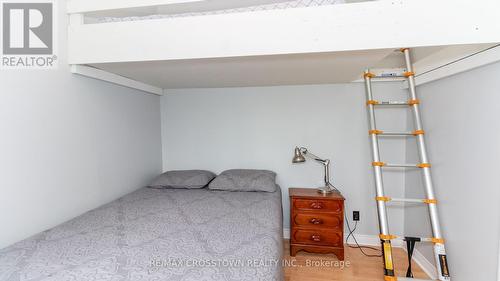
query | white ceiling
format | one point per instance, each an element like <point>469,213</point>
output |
<point>297,69</point>
<point>252,71</point>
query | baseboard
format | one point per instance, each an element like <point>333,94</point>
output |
<point>498,268</point>
<point>286,233</point>
<point>373,240</point>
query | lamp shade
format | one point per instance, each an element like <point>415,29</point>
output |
<point>298,157</point>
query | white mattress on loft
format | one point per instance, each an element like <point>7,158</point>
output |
<point>275,6</point>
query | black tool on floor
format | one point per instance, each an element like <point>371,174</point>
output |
<point>410,246</point>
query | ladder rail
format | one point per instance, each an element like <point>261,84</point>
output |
<point>439,249</point>
<point>422,149</point>
<point>381,200</point>
<point>382,212</point>
<point>377,171</point>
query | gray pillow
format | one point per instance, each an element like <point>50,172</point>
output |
<point>183,179</point>
<point>245,180</point>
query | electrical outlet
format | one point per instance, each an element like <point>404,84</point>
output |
<point>355,215</point>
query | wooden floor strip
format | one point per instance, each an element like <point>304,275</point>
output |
<point>357,267</point>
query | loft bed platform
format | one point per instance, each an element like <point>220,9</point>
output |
<point>223,43</point>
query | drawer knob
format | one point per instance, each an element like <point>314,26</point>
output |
<point>316,205</point>
<point>316,238</point>
<point>316,221</point>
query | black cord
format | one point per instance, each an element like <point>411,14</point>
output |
<point>351,233</point>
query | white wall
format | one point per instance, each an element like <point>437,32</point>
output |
<point>69,144</point>
<point>218,129</point>
<point>460,115</point>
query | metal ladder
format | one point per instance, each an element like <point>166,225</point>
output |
<point>424,165</point>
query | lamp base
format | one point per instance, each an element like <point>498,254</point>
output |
<point>326,190</point>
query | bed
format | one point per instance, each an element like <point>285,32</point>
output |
<point>159,234</point>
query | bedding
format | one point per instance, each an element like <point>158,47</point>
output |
<point>245,180</point>
<point>159,234</point>
<point>275,6</point>
<point>183,179</point>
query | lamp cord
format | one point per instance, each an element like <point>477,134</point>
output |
<point>332,186</point>
<point>351,233</point>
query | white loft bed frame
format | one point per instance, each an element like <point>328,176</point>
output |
<point>334,28</point>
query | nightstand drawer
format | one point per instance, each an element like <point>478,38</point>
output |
<point>318,205</point>
<point>317,237</point>
<point>318,220</point>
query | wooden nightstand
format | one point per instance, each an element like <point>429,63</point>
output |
<point>316,221</point>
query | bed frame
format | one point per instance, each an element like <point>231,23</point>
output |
<point>377,25</point>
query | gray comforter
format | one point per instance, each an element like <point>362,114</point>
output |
<point>154,234</point>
